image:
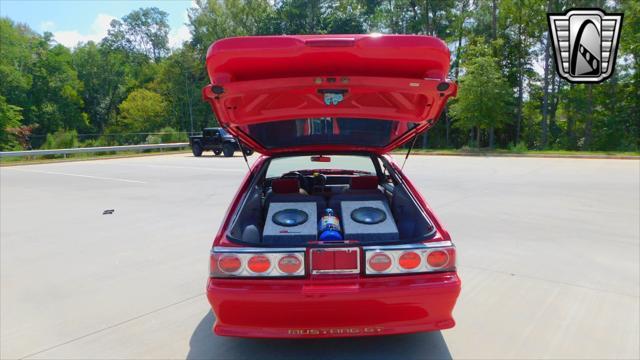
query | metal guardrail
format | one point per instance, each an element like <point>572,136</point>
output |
<point>4,154</point>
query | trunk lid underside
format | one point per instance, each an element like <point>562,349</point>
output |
<point>372,93</point>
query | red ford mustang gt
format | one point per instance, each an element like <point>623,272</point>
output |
<point>326,236</point>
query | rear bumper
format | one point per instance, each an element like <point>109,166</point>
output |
<point>333,307</point>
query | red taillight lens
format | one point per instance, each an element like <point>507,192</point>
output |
<point>380,262</point>
<point>252,262</point>
<point>437,256</point>
<point>438,259</point>
<point>259,264</point>
<point>409,260</point>
<point>289,264</point>
<point>229,263</point>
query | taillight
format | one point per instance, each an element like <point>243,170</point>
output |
<point>437,259</point>
<point>259,264</point>
<point>289,264</point>
<point>409,260</point>
<point>229,263</point>
<point>253,262</point>
<point>379,262</point>
<point>414,258</point>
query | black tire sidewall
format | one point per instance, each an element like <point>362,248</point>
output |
<point>196,149</point>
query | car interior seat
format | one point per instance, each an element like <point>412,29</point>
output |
<point>288,190</point>
<point>364,187</point>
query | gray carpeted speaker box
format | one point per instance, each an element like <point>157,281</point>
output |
<point>382,231</point>
<point>308,231</point>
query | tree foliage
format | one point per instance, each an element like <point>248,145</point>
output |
<point>483,96</point>
<point>145,31</point>
<point>141,111</point>
<point>10,118</point>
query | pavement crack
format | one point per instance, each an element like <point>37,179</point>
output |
<point>113,326</point>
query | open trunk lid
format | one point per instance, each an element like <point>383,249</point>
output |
<point>328,92</point>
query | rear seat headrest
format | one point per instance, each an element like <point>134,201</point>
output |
<point>285,186</point>
<point>368,182</point>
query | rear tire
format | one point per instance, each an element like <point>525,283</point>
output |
<point>217,152</point>
<point>196,149</point>
<point>228,150</point>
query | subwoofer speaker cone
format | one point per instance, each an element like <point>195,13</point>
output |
<point>368,215</point>
<point>290,217</point>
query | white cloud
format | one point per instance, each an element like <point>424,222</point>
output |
<point>98,30</point>
<point>47,26</point>
<point>181,34</point>
<point>178,36</point>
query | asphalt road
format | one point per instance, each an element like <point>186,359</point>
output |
<point>548,254</point>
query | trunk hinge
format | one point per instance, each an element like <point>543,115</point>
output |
<point>409,151</point>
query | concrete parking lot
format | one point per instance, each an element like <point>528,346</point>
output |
<point>548,254</point>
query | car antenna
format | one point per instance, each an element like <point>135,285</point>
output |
<point>415,137</point>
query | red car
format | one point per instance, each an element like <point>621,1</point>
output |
<point>326,236</point>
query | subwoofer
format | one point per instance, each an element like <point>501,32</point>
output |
<point>368,221</point>
<point>291,222</point>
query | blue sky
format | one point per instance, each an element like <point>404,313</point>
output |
<point>72,21</point>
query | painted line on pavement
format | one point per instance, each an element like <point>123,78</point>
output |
<point>79,175</point>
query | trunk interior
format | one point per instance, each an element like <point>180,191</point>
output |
<point>284,206</point>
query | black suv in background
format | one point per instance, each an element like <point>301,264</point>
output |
<point>217,140</point>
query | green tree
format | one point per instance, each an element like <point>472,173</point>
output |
<point>629,104</point>
<point>10,117</point>
<point>303,16</point>
<point>61,139</point>
<point>515,28</point>
<point>55,100</point>
<point>180,80</point>
<point>213,20</point>
<point>483,96</point>
<point>141,111</point>
<point>105,75</point>
<point>145,31</point>
<point>412,17</point>
<point>17,44</point>
<point>346,17</point>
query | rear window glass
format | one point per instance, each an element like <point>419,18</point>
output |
<point>283,165</point>
<point>327,131</point>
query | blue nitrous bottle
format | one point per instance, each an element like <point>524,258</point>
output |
<point>329,226</point>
